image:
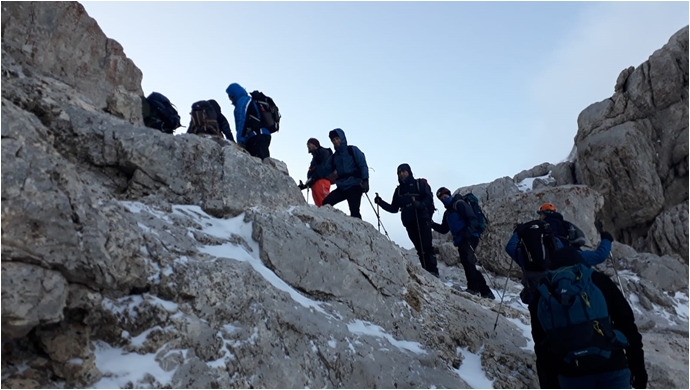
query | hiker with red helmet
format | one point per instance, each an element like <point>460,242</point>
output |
<point>317,176</point>
<point>566,232</point>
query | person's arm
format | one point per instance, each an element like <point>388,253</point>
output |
<point>511,249</point>
<point>442,228</point>
<point>623,320</point>
<point>394,206</point>
<point>602,252</point>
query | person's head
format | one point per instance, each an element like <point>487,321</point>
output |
<point>334,135</point>
<point>313,144</point>
<point>545,210</point>
<point>443,193</point>
<point>404,171</point>
<point>235,91</point>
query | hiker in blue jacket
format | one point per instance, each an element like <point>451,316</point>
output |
<point>416,204</point>
<point>462,223</point>
<point>624,366</point>
<point>350,166</point>
<point>591,258</point>
<point>256,144</point>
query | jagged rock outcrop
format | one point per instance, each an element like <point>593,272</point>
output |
<point>64,42</point>
<point>633,147</point>
<point>132,258</point>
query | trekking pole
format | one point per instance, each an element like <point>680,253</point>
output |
<point>484,269</point>
<point>307,195</point>
<point>378,212</point>
<point>419,232</point>
<point>615,270</point>
<point>505,287</point>
<point>377,215</point>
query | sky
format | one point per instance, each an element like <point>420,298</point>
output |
<point>464,92</point>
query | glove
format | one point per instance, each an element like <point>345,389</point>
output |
<point>606,236</point>
<point>377,199</point>
<point>639,380</point>
<point>365,185</point>
<point>301,185</point>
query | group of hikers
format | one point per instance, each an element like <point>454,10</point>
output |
<point>583,327</point>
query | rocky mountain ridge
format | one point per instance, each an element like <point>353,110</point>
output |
<point>131,258</point>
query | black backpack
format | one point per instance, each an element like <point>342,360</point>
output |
<point>204,119</point>
<point>430,207</point>
<point>162,114</point>
<point>262,112</point>
<point>536,245</point>
<point>482,221</point>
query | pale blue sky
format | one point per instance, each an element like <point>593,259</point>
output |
<point>465,92</point>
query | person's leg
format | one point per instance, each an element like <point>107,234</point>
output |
<point>465,251</point>
<point>335,197</point>
<point>354,200</point>
<point>413,234</point>
<point>429,257</point>
<point>320,191</point>
<point>263,142</point>
<point>479,280</point>
<point>546,370</point>
<point>252,146</point>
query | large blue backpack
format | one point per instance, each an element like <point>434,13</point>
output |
<point>573,313</point>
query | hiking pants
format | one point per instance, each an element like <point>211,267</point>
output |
<point>320,191</point>
<point>353,195</point>
<point>475,280</point>
<point>619,379</point>
<point>546,366</point>
<point>257,146</point>
<point>428,259</point>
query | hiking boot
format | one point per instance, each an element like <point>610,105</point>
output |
<point>435,274</point>
<point>473,292</point>
<point>489,295</point>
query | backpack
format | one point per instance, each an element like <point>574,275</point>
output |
<point>262,112</point>
<point>204,119</point>
<point>162,115</point>
<point>430,207</point>
<point>572,311</point>
<point>576,237</point>
<point>536,245</point>
<point>481,218</point>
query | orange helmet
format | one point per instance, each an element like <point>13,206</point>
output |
<point>547,208</point>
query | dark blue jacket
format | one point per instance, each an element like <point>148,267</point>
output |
<point>456,219</point>
<point>318,169</point>
<point>402,200</point>
<point>241,99</point>
<point>222,121</point>
<point>351,169</point>
<point>590,258</point>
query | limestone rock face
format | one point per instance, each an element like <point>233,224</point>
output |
<point>65,42</point>
<point>633,147</point>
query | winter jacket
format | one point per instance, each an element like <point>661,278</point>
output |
<point>402,200</point>
<point>222,121</point>
<point>458,219</point>
<point>560,228</point>
<point>318,169</point>
<point>591,258</point>
<point>351,169</point>
<point>623,320</point>
<point>241,100</point>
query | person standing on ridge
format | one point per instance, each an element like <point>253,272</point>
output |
<point>256,141</point>
<point>462,223</point>
<point>413,198</point>
<point>317,176</point>
<point>350,166</point>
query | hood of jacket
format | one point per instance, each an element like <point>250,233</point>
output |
<point>235,92</point>
<point>410,177</point>
<point>215,105</point>
<point>343,139</point>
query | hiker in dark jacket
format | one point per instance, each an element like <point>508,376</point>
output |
<point>414,200</point>
<point>531,279</point>
<point>318,174</point>
<point>350,166</point>
<point>222,121</point>
<point>462,223</point>
<point>256,144</point>
<point>620,370</point>
<point>566,232</point>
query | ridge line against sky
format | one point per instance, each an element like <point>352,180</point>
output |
<point>465,92</point>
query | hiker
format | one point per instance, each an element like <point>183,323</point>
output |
<point>352,172</point>
<point>222,121</point>
<point>532,247</point>
<point>565,231</point>
<point>462,223</point>
<point>317,175</point>
<point>256,141</point>
<point>572,355</point>
<point>159,113</point>
<point>413,198</point>
<point>204,120</point>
